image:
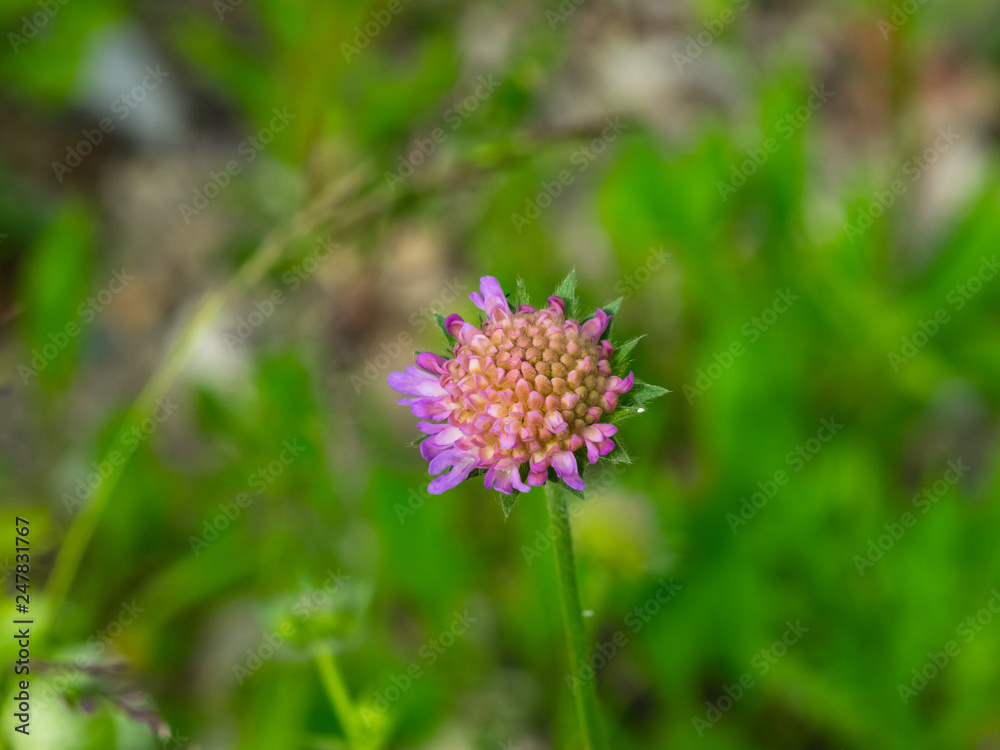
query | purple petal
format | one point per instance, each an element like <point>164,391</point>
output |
<point>490,296</point>
<point>619,386</point>
<point>454,324</point>
<point>445,459</point>
<point>459,473</point>
<point>431,362</point>
<point>565,465</point>
<point>416,382</point>
<point>537,478</point>
<point>519,483</point>
<point>555,422</point>
<point>505,480</point>
<point>557,305</point>
<point>596,325</point>
<point>428,408</point>
<point>429,450</point>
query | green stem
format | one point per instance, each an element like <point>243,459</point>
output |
<point>320,211</point>
<point>576,633</point>
<point>340,698</point>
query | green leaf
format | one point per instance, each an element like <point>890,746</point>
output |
<point>440,321</point>
<point>56,279</point>
<point>521,295</point>
<point>567,290</point>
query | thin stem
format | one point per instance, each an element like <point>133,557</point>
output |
<point>80,532</point>
<point>576,634</point>
<point>340,698</point>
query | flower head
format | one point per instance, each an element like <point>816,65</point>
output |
<point>522,393</point>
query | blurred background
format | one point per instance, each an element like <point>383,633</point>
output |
<point>222,224</point>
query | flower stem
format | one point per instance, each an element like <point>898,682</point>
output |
<point>336,692</point>
<point>576,634</point>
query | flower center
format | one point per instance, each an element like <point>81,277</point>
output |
<point>528,385</point>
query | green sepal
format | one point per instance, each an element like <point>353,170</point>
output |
<point>440,321</point>
<point>521,295</point>
<point>635,400</point>
<point>612,308</point>
<point>567,291</point>
<point>618,455</point>
<point>507,502</point>
<point>620,360</point>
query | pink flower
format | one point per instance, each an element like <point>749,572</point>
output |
<point>522,394</point>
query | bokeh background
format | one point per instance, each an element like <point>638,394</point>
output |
<point>222,224</point>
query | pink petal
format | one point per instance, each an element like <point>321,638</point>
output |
<point>555,421</point>
<point>538,478</point>
<point>565,465</point>
<point>459,473</point>
<point>505,480</point>
<point>596,325</point>
<point>453,323</point>
<point>416,382</point>
<point>431,362</point>
<point>428,408</point>
<point>490,296</point>
<point>619,386</point>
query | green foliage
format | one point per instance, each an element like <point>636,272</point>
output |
<point>733,486</point>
